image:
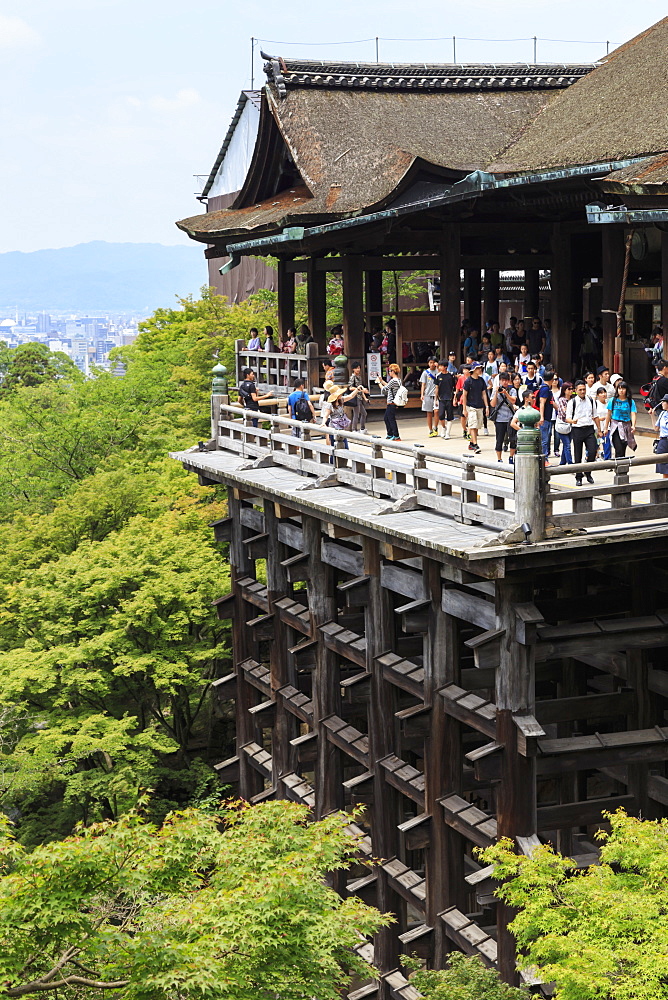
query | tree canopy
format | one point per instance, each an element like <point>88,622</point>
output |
<point>33,364</point>
<point>466,978</point>
<point>600,933</point>
<point>222,906</point>
<point>108,640</point>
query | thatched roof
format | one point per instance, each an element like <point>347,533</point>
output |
<point>649,175</point>
<point>618,111</point>
<point>356,136</point>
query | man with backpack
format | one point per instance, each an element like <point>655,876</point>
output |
<point>300,406</point>
<point>659,387</point>
<point>581,414</point>
<point>248,394</point>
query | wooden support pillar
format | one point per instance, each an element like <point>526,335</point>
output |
<point>326,693</point>
<point>316,293</point>
<point>385,808</point>
<point>353,309</point>
<point>472,294</point>
<point>531,291</point>
<point>643,602</point>
<point>516,795</point>
<point>561,280</point>
<point>373,288</point>
<point>286,297</point>
<point>612,266</point>
<point>243,644</point>
<point>285,726</point>
<point>443,764</point>
<point>450,290</point>
<point>491,307</point>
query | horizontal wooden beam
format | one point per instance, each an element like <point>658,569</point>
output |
<point>228,770</point>
<point>468,608</point>
<point>474,711</point>
<point>569,814</point>
<point>588,706</point>
<point>225,687</point>
<point>474,824</point>
<point>257,675</point>
<point>404,777</point>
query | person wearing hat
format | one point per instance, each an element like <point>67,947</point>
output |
<point>661,424</point>
<point>452,363</point>
<point>604,382</point>
<point>475,404</point>
<point>503,405</point>
<point>325,405</point>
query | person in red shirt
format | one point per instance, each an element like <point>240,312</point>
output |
<point>465,372</point>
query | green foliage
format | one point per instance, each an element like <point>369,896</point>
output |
<point>466,978</point>
<point>187,909</point>
<point>108,646</point>
<point>108,641</point>
<point>33,364</point>
<point>601,933</point>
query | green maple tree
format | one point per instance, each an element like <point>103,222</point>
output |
<point>600,933</point>
<point>229,907</point>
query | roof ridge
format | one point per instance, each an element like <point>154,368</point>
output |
<point>320,74</point>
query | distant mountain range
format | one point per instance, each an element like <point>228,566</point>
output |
<point>100,277</point>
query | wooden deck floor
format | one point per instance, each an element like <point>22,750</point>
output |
<point>421,531</point>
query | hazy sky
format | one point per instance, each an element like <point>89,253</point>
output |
<point>110,106</point>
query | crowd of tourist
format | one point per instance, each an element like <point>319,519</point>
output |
<point>588,415</point>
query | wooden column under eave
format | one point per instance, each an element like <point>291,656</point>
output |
<point>560,301</point>
<point>531,291</point>
<point>286,297</point>
<point>492,287</point>
<point>326,690</point>
<point>373,304</point>
<point>472,294</point>
<point>451,309</point>
<point>316,293</point>
<point>353,308</point>
<point>516,793</point>
<point>385,808</point>
<point>612,267</point>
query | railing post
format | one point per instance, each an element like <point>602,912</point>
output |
<point>219,396</point>
<point>622,469</point>
<point>529,468</point>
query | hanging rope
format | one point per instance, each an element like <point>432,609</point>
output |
<point>625,278</point>
<point>619,311</point>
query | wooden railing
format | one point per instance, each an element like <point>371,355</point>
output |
<point>472,490</point>
<point>469,489</point>
<point>277,372</point>
<point>623,501</point>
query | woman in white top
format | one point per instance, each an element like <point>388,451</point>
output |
<point>390,389</point>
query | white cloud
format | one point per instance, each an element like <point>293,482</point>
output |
<point>15,33</point>
<point>186,98</point>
